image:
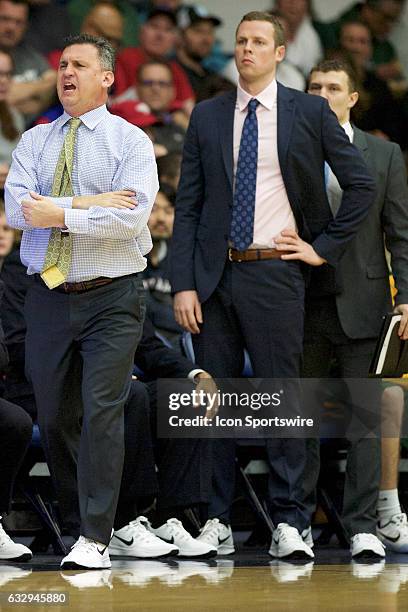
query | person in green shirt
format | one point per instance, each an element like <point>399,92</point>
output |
<point>78,9</point>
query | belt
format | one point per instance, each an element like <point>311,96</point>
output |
<point>83,285</point>
<point>255,254</point>
<point>87,285</point>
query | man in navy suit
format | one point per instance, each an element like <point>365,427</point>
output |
<point>252,216</point>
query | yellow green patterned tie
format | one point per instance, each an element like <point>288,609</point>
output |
<point>59,252</point>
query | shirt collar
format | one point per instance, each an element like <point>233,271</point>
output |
<point>90,119</point>
<point>267,97</point>
<point>347,127</point>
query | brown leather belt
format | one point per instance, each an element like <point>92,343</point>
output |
<point>87,285</point>
<point>255,254</point>
<point>83,285</point>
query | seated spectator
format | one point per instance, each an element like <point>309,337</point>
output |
<point>168,168</point>
<point>152,111</point>
<point>78,9</point>
<point>376,110</point>
<point>33,85</point>
<point>379,16</point>
<point>7,235</point>
<point>197,39</point>
<point>11,121</point>
<point>15,435</point>
<point>183,465</point>
<point>104,19</point>
<point>158,38</point>
<point>303,46</point>
<point>156,274</point>
<point>39,34</point>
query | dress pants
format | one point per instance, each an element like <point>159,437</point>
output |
<point>326,341</point>
<point>16,429</point>
<point>79,357</point>
<point>259,306</point>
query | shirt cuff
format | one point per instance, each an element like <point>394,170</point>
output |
<point>193,374</point>
<point>62,202</point>
<point>77,221</point>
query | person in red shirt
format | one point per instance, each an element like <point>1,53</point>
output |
<point>157,40</point>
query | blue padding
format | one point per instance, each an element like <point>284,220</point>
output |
<point>36,438</point>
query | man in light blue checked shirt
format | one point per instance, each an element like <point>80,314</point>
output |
<point>89,247</point>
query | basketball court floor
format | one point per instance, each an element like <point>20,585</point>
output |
<point>248,580</point>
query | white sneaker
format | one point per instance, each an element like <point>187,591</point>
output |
<point>11,551</point>
<point>287,542</point>
<point>173,532</point>
<point>307,537</point>
<point>134,540</point>
<point>87,554</point>
<point>394,533</point>
<point>366,545</point>
<point>217,535</point>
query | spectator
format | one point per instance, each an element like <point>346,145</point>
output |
<point>196,42</point>
<point>15,436</point>
<point>152,111</point>
<point>303,46</point>
<point>156,274</point>
<point>78,9</point>
<point>379,16</point>
<point>7,235</point>
<point>33,85</point>
<point>158,38</point>
<point>104,19</point>
<point>39,33</point>
<point>376,110</point>
<point>168,168</point>
<point>11,121</point>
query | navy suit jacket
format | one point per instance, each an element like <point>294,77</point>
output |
<point>308,134</point>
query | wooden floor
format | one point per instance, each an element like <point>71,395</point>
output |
<point>215,585</point>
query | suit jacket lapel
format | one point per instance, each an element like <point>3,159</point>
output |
<point>286,107</point>
<point>226,131</point>
<point>360,141</point>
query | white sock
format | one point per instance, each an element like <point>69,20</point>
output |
<point>388,504</point>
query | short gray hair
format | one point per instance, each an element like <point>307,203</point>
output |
<point>105,50</point>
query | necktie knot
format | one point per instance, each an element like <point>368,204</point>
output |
<point>74,123</point>
<point>253,105</point>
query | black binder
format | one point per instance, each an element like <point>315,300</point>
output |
<point>391,354</point>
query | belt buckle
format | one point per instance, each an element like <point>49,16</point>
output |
<point>230,257</point>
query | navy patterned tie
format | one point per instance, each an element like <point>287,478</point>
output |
<point>243,211</point>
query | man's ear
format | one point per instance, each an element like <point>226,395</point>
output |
<point>353,99</point>
<point>280,53</point>
<point>108,78</point>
